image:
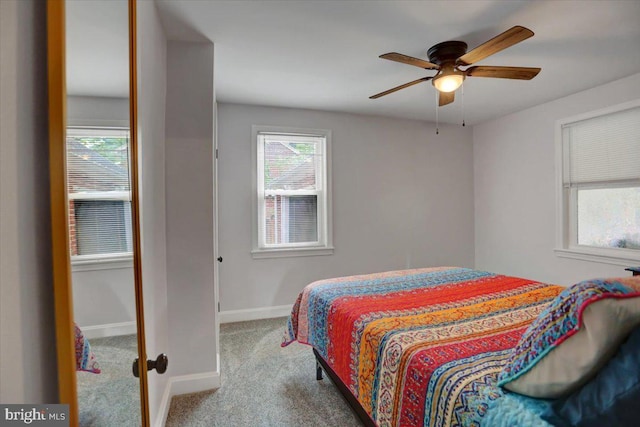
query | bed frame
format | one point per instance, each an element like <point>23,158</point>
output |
<point>322,365</point>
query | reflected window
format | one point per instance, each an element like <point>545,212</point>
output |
<point>99,192</point>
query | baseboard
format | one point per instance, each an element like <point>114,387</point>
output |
<point>165,403</point>
<point>184,384</point>
<point>254,313</point>
<point>194,383</point>
<point>109,330</point>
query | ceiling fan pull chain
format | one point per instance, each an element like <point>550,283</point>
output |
<point>437,96</point>
<point>463,103</point>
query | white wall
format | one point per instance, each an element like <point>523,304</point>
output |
<point>152,59</point>
<point>104,297</point>
<point>402,197</point>
<point>189,208</point>
<point>27,333</point>
<point>515,194</point>
<point>97,110</point>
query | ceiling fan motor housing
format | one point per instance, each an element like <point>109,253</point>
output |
<point>445,52</point>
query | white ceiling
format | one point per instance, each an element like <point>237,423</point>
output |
<point>324,54</point>
<point>97,48</point>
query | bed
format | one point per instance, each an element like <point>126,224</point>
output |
<point>422,347</point>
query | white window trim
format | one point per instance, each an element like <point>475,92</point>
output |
<point>97,123</point>
<point>326,229</point>
<point>124,196</point>
<point>565,228</point>
<point>100,261</point>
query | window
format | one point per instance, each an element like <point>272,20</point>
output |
<point>599,206</point>
<point>99,193</point>
<point>292,192</point>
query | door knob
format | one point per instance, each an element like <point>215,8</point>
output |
<point>160,365</point>
<point>220,259</point>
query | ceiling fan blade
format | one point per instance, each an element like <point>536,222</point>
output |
<point>398,57</point>
<point>445,98</point>
<point>510,37</point>
<point>520,73</point>
<point>387,92</point>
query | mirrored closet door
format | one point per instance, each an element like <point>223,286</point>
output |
<point>97,267</point>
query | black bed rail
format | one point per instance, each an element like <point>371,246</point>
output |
<point>322,365</point>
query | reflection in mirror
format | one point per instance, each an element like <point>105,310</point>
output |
<point>100,233</point>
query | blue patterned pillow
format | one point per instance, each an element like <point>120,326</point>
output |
<point>572,338</point>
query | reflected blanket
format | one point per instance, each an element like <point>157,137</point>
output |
<point>85,359</point>
<point>419,347</point>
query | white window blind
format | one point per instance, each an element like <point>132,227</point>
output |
<point>99,191</point>
<point>602,149</point>
<point>601,182</point>
<point>291,196</point>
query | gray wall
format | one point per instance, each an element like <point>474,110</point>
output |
<point>402,198</point>
<point>515,193</point>
<point>103,297</point>
<point>28,372</point>
<point>97,110</point>
<point>189,131</point>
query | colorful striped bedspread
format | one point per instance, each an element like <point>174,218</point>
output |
<point>419,347</point>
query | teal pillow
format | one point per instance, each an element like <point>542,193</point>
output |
<point>612,398</point>
<point>572,338</point>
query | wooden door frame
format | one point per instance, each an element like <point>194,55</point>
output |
<point>62,295</point>
<point>135,211</point>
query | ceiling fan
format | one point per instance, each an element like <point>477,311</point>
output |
<point>447,57</point>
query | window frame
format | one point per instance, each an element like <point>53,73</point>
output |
<point>567,199</point>
<point>115,260</point>
<point>324,246</point>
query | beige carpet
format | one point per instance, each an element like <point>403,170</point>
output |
<point>112,397</point>
<point>263,385</point>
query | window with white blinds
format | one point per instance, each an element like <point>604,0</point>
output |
<point>99,192</point>
<point>603,149</point>
<point>601,180</point>
<point>292,191</point>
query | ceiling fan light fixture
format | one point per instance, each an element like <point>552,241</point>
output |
<point>447,56</point>
<point>448,82</point>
